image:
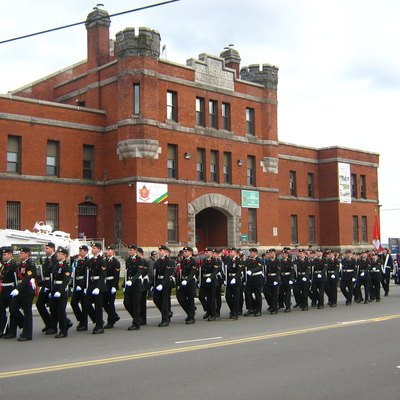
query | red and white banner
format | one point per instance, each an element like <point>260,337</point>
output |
<point>376,235</point>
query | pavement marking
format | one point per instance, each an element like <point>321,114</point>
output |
<point>198,340</point>
<point>353,322</point>
<point>186,349</point>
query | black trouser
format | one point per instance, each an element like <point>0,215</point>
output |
<point>300,291</point>
<point>109,305</point>
<point>385,280</point>
<point>78,307</point>
<point>162,300</point>
<point>95,313</point>
<point>203,298</point>
<point>143,301</point>
<point>185,296</point>
<point>58,312</point>
<point>318,292</point>
<point>209,291</point>
<point>252,293</point>
<point>271,295</point>
<point>241,297</point>
<point>284,295</point>
<point>42,301</point>
<point>23,302</point>
<point>375,293</point>
<point>218,298</point>
<point>357,290</point>
<point>347,287</point>
<point>331,290</point>
<point>233,298</point>
<point>5,301</point>
<point>132,298</point>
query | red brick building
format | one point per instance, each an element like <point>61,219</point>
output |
<point>95,148</point>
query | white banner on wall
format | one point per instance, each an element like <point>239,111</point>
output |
<point>344,179</point>
<point>147,192</point>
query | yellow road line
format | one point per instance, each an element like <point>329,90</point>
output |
<point>231,342</point>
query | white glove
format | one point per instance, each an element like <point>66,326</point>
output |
<point>78,289</point>
<point>319,276</point>
<point>275,283</point>
<point>362,274</point>
<point>84,291</point>
<point>333,276</point>
<point>248,273</point>
<point>14,293</point>
<point>45,290</point>
<point>113,290</point>
<point>96,291</point>
<point>128,283</point>
<point>353,279</point>
<point>159,287</point>
<point>184,283</point>
<point>233,281</point>
<point>304,279</point>
<point>56,295</point>
<point>290,282</point>
<point>208,280</point>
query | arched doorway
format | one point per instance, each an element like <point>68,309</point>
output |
<point>87,226</point>
<point>211,229</point>
<point>228,212</point>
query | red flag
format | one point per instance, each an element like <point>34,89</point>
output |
<point>376,235</point>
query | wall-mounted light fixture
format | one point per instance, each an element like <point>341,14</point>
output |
<point>240,162</point>
<point>188,156</point>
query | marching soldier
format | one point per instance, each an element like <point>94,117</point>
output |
<point>8,282</point>
<point>60,279</point>
<point>96,286</point>
<point>387,269</point>
<point>348,277</point>
<point>113,269</point>
<point>303,274</point>
<point>45,275</point>
<point>332,279</point>
<point>207,292</point>
<point>79,288</point>
<point>234,271</point>
<point>287,278</point>
<point>135,272</point>
<point>363,279</point>
<point>272,281</point>
<point>22,297</point>
<point>318,280</point>
<point>376,277</point>
<point>254,283</point>
<point>163,274</point>
<point>187,284</point>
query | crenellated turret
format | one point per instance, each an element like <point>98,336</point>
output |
<point>145,44</point>
<point>266,76</point>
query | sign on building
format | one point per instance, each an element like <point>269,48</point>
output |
<point>250,199</point>
<point>147,192</point>
<point>344,180</point>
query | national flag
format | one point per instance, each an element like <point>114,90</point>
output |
<point>376,235</point>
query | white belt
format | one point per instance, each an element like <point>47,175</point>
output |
<point>78,278</point>
<point>301,273</point>
<point>286,273</point>
<point>272,274</point>
<point>47,278</point>
<point>8,284</point>
<point>58,282</point>
<point>160,277</point>
<point>206,275</point>
<point>257,273</point>
<point>109,278</point>
<point>94,278</point>
<point>348,270</point>
<point>232,273</point>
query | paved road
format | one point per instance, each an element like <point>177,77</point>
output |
<point>347,352</point>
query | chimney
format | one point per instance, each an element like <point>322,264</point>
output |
<point>232,59</point>
<point>98,37</point>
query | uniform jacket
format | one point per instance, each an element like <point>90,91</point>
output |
<point>26,275</point>
<point>61,277</point>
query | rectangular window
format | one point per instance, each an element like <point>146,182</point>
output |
<point>213,113</point>
<point>250,129</point>
<point>363,187</point>
<point>292,183</point>
<point>252,225</point>
<point>13,215</point>
<point>52,216</point>
<point>226,116</point>
<point>354,186</point>
<point>311,229</point>
<point>227,167</point>
<point>214,169</point>
<point>200,167</point>
<point>136,99</point>
<point>356,238</point>
<point>88,157</point>
<point>310,185</point>
<point>171,161</point>
<point>52,158</point>
<point>14,154</point>
<point>251,162</point>
<point>172,106</point>
<point>172,223</point>
<point>293,229</point>
<point>200,111</point>
<point>364,229</point>
<point>117,222</point>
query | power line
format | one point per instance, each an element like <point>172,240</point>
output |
<point>83,22</point>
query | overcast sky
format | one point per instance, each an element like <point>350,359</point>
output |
<point>339,62</point>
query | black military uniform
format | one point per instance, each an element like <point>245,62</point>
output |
<point>59,295</point>
<point>113,269</point>
<point>272,281</point>
<point>8,282</point>
<point>376,276</point>
<point>234,271</point>
<point>287,280</point>
<point>45,273</point>
<point>363,279</point>
<point>387,268</point>
<point>79,287</point>
<point>96,270</point>
<point>332,278</point>
<point>348,277</point>
<point>146,285</point>
<point>135,271</point>
<point>318,280</point>
<point>302,286</point>
<point>22,298</point>
<point>187,284</point>
<point>163,274</point>
<point>254,282</point>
